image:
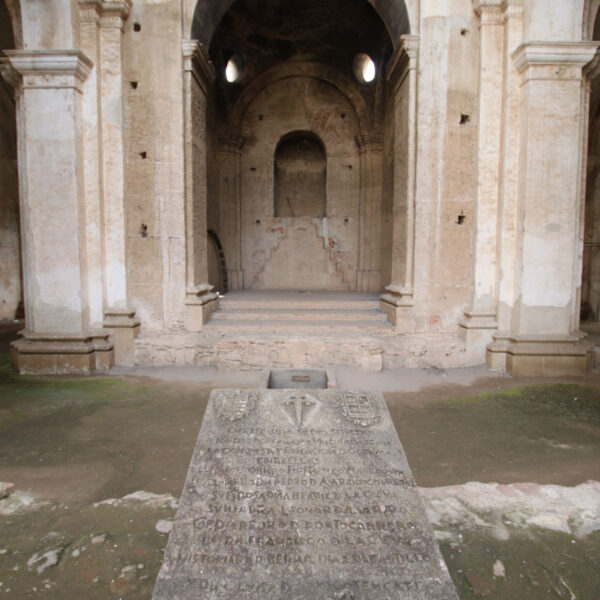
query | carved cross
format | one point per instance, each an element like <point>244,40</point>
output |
<point>299,401</point>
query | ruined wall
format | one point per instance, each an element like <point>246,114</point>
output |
<point>10,256</point>
<point>154,163</point>
<point>300,252</point>
<point>446,163</point>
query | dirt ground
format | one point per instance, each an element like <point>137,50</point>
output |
<point>98,465</point>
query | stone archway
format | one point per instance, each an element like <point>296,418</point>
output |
<point>286,54</point>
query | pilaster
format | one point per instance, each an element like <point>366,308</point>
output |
<point>230,205</point>
<point>480,320</point>
<point>544,337</point>
<point>398,300</point>
<point>370,145</point>
<point>508,224</point>
<point>198,75</point>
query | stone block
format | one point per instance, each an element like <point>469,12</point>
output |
<point>300,494</point>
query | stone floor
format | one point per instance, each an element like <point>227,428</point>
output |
<point>98,464</point>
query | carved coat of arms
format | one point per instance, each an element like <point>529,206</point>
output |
<point>232,405</point>
<point>359,407</point>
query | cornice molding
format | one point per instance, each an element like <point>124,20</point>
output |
<point>369,140</point>
<point>9,73</point>
<point>197,61</point>
<point>403,59</point>
<point>50,68</point>
<point>554,54</point>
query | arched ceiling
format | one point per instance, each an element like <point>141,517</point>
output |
<point>7,40</point>
<point>208,14</point>
<point>272,33</point>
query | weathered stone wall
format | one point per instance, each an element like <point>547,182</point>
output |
<point>300,252</point>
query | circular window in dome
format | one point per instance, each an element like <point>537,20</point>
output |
<point>235,69</point>
<point>364,68</point>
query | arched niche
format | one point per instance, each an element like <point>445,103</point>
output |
<point>300,176</point>
<point>287,250</point>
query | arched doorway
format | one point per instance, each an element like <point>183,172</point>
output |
<point>283,68</point>
<point>11,286</point>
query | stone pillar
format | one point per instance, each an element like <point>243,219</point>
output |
<point>58,338</point>
<point>89,20</point>
<point>119,317</point>
<point>544,337</point>
<point>480,320</point>
<point>231,209</point>
<point>370,145</point>
<point>198,75</point>
<point>508,190</point>
<point>398,301</point>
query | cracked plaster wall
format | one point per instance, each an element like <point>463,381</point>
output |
<point>305,252</point>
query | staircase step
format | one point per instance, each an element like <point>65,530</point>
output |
<point>297,314</point>
<point>296,300</point>
<point>297,326</point>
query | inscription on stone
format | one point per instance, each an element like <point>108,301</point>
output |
<point>297,495</point>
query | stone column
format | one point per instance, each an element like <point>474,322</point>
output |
<point>119,317</point>
<point>198,75</point>
<point>89,19</point>
<point>398,301</point>
<point>508,189</point>
<point>544,337</point>
<point>57,338</point>
<point>370,145</point>
<point>480,320</point>
<point>231,209</point>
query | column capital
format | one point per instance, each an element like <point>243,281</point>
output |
<point>490,12</point>
<point>109,13</point>
<point>231,143</point>
<point>553,60</point>
<point>403,60</point>
<point>369,141</point>
<point>50,68</point>
<point>513,9</point>
<point>197,61</point>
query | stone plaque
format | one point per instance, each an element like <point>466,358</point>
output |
<point>300,495</point>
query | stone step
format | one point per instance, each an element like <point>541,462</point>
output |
<point>299,301</point>
<point>298,314</point>
<point>297,326</point>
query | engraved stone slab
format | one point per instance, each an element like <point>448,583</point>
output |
<point>300,495</point>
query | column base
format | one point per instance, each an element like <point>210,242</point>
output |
<point>539,356</point>
<point>476,331</point>
<point>43,354</point>
<point>200,303</point>
<point>123,328</point>
<point>368,280</point>
<point>398,305</point>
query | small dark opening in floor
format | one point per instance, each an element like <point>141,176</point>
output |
<point>294,379</point>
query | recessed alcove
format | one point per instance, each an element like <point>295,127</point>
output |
<point>300,176</point>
